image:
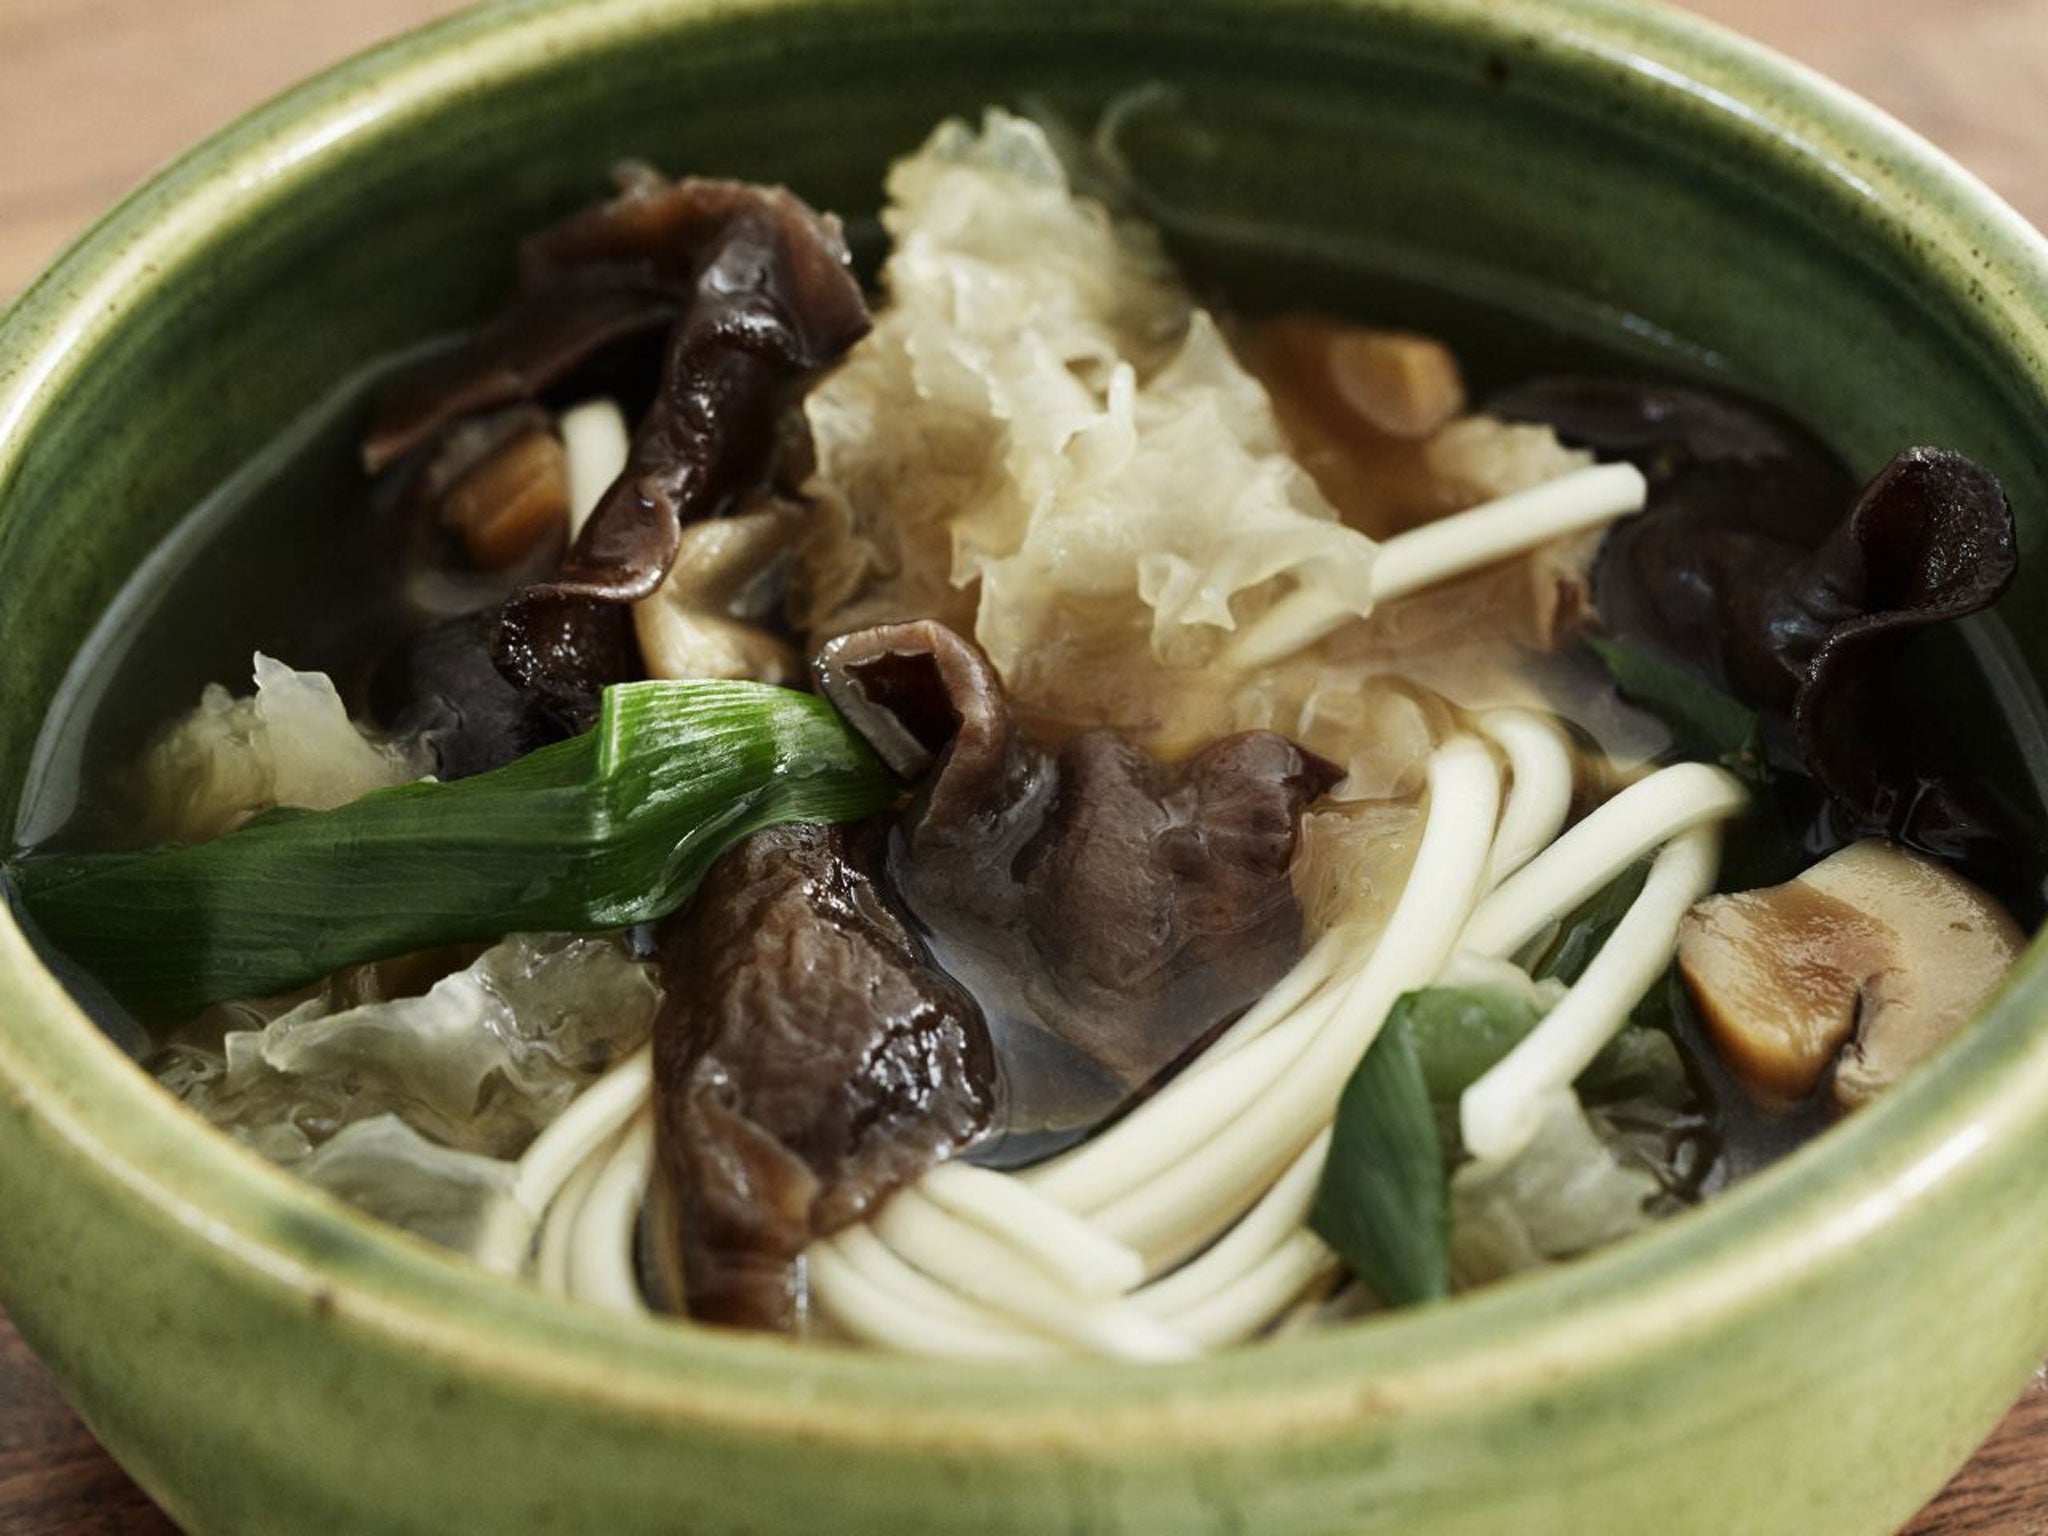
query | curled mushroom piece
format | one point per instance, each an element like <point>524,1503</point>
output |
<point>1759,564</point>
<point>1738,497</point>
<point>1875,953</point>
<point>1930,540</point>
<point>754,292</point>
<point>768,299</point>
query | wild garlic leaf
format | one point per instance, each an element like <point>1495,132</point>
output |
<point>609,828</point>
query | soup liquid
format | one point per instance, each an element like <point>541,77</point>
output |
<point>286,557</point>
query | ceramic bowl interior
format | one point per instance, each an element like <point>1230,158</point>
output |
<point>1521,175</point>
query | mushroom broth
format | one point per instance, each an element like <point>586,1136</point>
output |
<point>1046,817</point>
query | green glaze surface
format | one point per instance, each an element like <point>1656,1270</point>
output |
<point>1811,1355</point>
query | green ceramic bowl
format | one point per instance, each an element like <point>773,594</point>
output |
<point>1812,1354</point>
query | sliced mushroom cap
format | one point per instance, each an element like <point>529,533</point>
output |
<point>511,501</point>
<point>1406,385</point>
<point>697,625</point>
<point>1777,975</point>
<point>1873,943</point>
<point>1358,407</point>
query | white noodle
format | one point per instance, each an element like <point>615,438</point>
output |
<point>558,1227</point>
<point>601,1267</point>
<point>922,1318</point>
<point>593,1118</point>
<point>504,1241</point>
<point>594,442</point>
<point>1066,1247</point>
<point>981,1268</point>
<point>1451,546</point>
<point>1539,789</point>
<point>1302,982</point>
<point>1501,1111</point>
<point>596,1115</point>
<point>1236,1314</point>
<point>1165,1128</point>
<point>912,1288</point>
<point>1191,1201</point>
<point>1640,818</point>
<point>1172,1127</point>
<point>1279,1214</point>
<point>1506,526</point>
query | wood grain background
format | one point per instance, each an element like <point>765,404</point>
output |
<point>94,94</point>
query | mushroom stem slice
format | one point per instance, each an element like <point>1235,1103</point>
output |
<point>1875,953</point>
<point>699,622</point>
<point>511,501</point>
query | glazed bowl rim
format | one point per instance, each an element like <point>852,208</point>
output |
<point>1658,1292</point>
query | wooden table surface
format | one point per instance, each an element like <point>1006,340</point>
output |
<point>95,93</point>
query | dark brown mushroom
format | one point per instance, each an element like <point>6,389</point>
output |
<point>1758,565</point>
<point>810,1059</point>
<point>1109,911</point>
<point>755,292</point>
<point>441,683</point>
<point>1737,496</point>
<point>1033,940</point>
<point>1929,541</point>
<point>772,300</point>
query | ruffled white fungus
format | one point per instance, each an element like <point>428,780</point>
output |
<point>291,742</point>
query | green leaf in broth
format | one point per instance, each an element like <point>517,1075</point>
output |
<point>1562,953</point>
<point>1383,1204</point>
<point>1708,724</point>
<point>609,828</point>
<point>1460,1033</point>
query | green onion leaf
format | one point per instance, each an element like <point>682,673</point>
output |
<point>610,828</point>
